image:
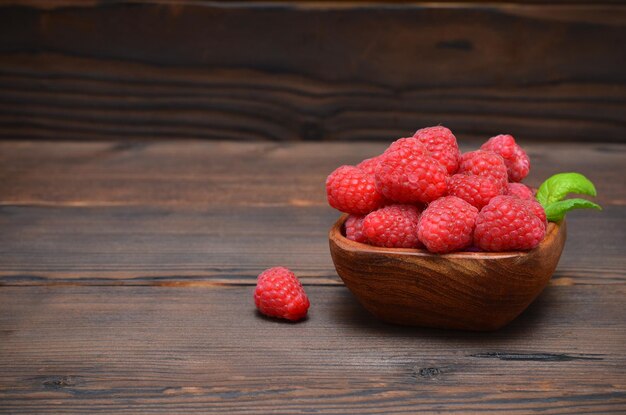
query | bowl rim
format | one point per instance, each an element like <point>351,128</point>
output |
<point>335,234</point>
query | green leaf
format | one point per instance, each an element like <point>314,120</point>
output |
<point>556,211</point>
<point>560,185</point>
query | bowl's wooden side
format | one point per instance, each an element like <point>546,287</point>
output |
<point>473,291</point>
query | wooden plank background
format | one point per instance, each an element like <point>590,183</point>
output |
<point>213,212</point>
<point>128,260</point>
<point>311,70</point>
<point>127,272</point>
<point>194,350</point>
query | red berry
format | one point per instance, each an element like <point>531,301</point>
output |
<point>404,176</point>
<point>369,165</point>
<point>354,229</point>
<point>393,226</point>
<point>527,195</point>
<point>508,224</point>
<point>409,143</point>
<point>536,208</point>
<point>447,225</point>
<point>353,191</point>
<point>475,190</point>
<point>442,145</point>
<point>515,158</point>
<point>520,190</point>
<point>279,293</point>
<point>484,163</point>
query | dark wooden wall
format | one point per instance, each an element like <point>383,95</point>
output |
<point>311,71</point>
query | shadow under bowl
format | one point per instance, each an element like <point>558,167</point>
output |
<point>462,290</point>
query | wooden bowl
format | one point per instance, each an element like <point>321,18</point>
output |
<point>463,290</point>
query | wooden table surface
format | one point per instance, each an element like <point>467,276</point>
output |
<point>127,271</point>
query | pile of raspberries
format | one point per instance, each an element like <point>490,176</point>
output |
<point>423,193</point>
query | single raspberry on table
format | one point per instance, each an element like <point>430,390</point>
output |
<point>280,294</point>
<point>404,176</point>
<point>520,190</point>
<point>369,165</point>
<point>485,163</point>
<point>507,223</point>
<point>475,190</point>
<point>442,145</point>
<point>447,225</point>
<point>394,226</point>
<point>351,190</point>
<point>354,229</point>
<point>515,158</point>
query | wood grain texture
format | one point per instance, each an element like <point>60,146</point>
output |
<point>205,350</point>
<point>53,4</point>
<point>149,246</point>
<point>480,291</point>
<point>195,222</point>
<point>198,174</point>
<point>310,71</point>
<point>215,212</point>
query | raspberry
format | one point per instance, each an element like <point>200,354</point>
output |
<point>410,143</point>
<point>369,165</point>
<point>515,158</point>
<point>407,177</point>
<point>393,226</point>
<point>507,223</point>
<point>279,293</point>
<point>447,225</point>
<point>536,208</point>
<point>527,195</point>
<point>520,190</point>
<point>354,229</point>
<point>442,145</point>
<point>353,191</point>
<point>475,190</point>
<point>484,163</point>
